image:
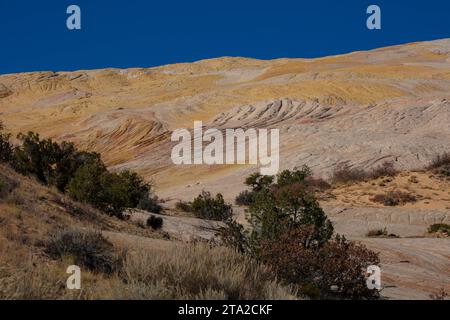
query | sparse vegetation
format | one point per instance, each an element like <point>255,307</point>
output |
<point>88,248</point>
<point>380,233</point>
<point>149,203</point>
<point>290,237</point>
<point>155,222</point>
<point>184,206</point>
<point>110,192</point>
<point>394,198</point>
<point>377,233</point>
<point>212,208</point>
<point>83,175</point>
<point>286,204</point>
<point>6,148</point>
<point>441,164</point>
<point>198,271</point>
<point>386,169</point>
<point>318,184</point>
<point>440,160</point>
<point>440,228</point>
<point>291,233</point>
<point>316,269</point>
<point>184,271</point>
<point>244,198</point>
<point>7,186</point>
<point>344,173</point>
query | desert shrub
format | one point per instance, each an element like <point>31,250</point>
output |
<point>344,266</point>
<point>6,148</point>
<point>377,233</point>
<point>155,222</point>
<point>7,186</point>
<point>36,157</point>
<point>86,186</point>
<point>317,269</point>
<point>213,208</point>
<point>150,204</point>
<point>184,206</point>
<point>343,173</point>
<point>440,164</point>
<point>443,170</point>
<point>3,189</point>
<point>385,199</point>
<point>69,160</point>
<point>135,188</point>
<point>110,192</point>
<point>258,181</point>
<point>439,228</point>
<point>277,207</point>
<point>233,235</point>
<point>280,208</point>
<point>83,175</point>
<point>291,233</point>
<point>317,184</point>
<point>288,177</point>
<point>51,163</point>
<point>87,248</point>
<point>244,198</point>
<point>440,160</point>
<point>198,271</point>
<point>394,198</point>
<point>386,169</point>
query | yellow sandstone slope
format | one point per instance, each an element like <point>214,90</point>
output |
<point>364,107</point>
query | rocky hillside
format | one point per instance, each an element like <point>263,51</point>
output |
<point>43,232</point>
<point>363,107</point>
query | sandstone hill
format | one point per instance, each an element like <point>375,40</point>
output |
<point>363,107</point>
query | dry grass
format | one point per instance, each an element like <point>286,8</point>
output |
<point>440,161</point>
<point>394,198</point>
<point>192,271</point>
<point>345,174</point>
<point>430,190</point>
<point>31,213</point>
<point>198,271</point>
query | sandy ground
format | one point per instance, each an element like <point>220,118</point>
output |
<point>430,190</point>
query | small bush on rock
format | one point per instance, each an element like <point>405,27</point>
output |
<point>155,222</point>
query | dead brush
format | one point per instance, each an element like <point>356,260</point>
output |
<point>198,271</point>
<point>394,198</point>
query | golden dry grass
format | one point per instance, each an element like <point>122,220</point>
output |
<point>430,190</point>
<point>152,268</point>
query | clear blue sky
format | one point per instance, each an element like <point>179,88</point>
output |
<point>145,33</point>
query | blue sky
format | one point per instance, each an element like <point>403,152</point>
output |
<point>138,33</point>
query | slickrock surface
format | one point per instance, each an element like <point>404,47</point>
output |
<point>364,107</point>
